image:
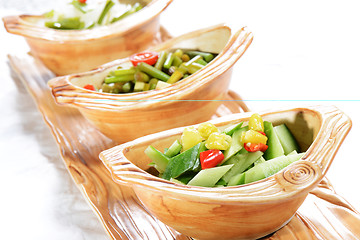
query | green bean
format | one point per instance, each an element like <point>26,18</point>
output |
<point>141,77</point>
<point>109,4</point>
<point>136,7</point>
<point>73,23</point>
<point>176,76</point>
<point>153,83</point>
<point>124,78</point>
<point>177,61</point>
<point>154,72</point>
<point>161,60</point>
<point>207,56</point>
<point>121,72</point>
<point>169,60</point>
<point>127,87</point>
<point>201,61</point>
<point>194,67</point>
<point>178,53</point>
<point>191,61</point>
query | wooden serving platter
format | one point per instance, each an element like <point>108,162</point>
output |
<point>323,215</point>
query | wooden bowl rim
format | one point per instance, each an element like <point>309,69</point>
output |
<point>90,99</point>
<point>19,25</point>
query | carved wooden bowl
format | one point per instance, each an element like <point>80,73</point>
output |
<point>124,117</point>
<point>241,212</point>
<point>71,51</point>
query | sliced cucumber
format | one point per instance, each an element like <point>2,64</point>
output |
<point>238,179</point>
<point>286,138</point>
<point>275,148</point>
<point>160,159</point>
<point>174,149</point>
<point>270,167</point>
<point>235,145</point>
<point>210,176</point>
<point>230,130</point>
<point>243,162</point>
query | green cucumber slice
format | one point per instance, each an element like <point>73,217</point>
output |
<point>160,159</point>
<point>210,176</point>
<point>244,161</point>
<point>287,140</point>
<point>275,148</point>
<point>235,145</point>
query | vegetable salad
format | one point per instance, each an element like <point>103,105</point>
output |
<point>208,157</point>
<point>152,70</point>
<point>86,14</point>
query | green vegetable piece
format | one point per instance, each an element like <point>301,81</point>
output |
<point>241,163</point>
<point>124,78</point>
<point>238,179</point>
<point>270,167</point>
<point>194,67</point>
<point>201,61</point>
<point>185,178</point>
<point>235,145</point>
<point>274,146</point>
<point>136,7</point>
<point>193,60</point>
<point>160,159</point>
<point>154,72</point>
<point>182,163</point>
<point>127,87</point>
<point>177,61</point>
<point>79,6</point>
<point>62,23</point>
<point>207,56</point>
<point>161,59</point>
<point>176,76</point>
<point>109,4</point>
<point>141,77</point>
<point>230,130</point>
<point>260,160</point>
<point>178,53</point>
<point>174,149</point>
<point>169,60</point>
<point>209,177</point>
<point>122,72</point>
<point>139,86</point>
<point>153,83</point>
<point>49,14</point>
<point>287,140</point>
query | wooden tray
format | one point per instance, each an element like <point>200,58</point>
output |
<point>323,215</point>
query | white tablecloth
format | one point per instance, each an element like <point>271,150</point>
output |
<point>303,53</point>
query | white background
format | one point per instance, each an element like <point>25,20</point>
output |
<point>303,53</point>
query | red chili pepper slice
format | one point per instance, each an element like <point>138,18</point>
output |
<point>89,87</point>
<point>146,57</point>
<point>82,1</point>
<point>211,158</point>
<point>254,147</point>
<point>262,133</point>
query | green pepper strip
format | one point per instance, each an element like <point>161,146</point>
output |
<point>154,72</point>
<point>121,72</point>
<point>160,62</point>
<point>115,79</point>
<point>169,60</point>
<point>109,4</point>
<point>136,7</point>
<point>207,56</point>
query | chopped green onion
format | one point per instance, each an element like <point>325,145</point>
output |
<point>109,4</point>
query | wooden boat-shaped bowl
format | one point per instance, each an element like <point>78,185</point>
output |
<point>72,51</point>
<point>240,212</point>
<point>124,117</point>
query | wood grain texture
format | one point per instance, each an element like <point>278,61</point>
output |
<point>323,215</point>
<point>71,51</point>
